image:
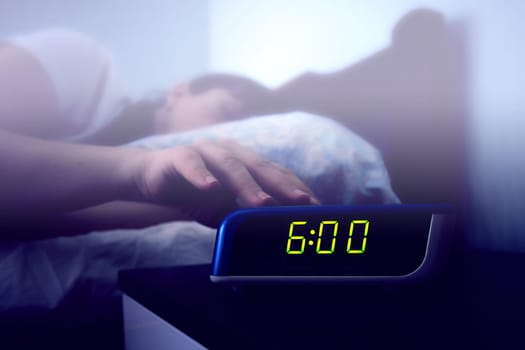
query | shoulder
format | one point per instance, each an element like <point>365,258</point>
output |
<point>66,55</point>
<point>60,41</point>
<point>83,75</point>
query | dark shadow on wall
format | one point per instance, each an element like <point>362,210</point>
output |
<point>409,100</point>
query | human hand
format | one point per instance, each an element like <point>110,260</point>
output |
<point>207,180</point>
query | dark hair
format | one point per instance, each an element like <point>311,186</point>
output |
<point>136,118</point>
<point>224,80</point>
<point>257,98</point>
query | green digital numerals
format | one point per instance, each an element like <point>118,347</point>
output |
<point>327,232</point>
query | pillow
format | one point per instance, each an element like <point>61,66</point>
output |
<point>338,165</point>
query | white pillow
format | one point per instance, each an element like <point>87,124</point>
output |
<point>338,165</point>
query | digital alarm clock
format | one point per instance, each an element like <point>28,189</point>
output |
<point>329,243</point>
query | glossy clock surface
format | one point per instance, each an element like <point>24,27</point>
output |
<point>327,242</point>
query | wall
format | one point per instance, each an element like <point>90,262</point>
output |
<point>274,40</point>
<point>155,43</point>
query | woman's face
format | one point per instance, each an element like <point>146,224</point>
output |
<point>184,110</point>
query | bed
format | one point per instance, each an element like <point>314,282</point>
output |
<point>340,167</point>
<point>65,289</point>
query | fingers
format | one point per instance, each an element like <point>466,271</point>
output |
<point>284,186</point>
<point>254,180</point>
<point>215,170</point>
<point>232,172</point>
<point>191,166</point>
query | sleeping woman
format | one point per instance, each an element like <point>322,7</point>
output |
<point>59,93</point>
<point>78,156</point>
<point>64,111</point>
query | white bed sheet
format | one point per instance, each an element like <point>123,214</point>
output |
<point>339,166</point>
<point>39,275</point>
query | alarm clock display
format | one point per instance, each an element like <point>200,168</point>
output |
<point>327,242</point>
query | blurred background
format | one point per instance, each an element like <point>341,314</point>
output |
<point>157,43</point>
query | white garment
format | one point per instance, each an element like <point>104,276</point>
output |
<point>84,77</point>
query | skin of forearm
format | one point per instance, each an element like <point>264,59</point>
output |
<point>122,214</point>
<point>107,216</point>
<point>42,178</point>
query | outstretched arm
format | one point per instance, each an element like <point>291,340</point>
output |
<point>44,180</point>
<point>45,177</point>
